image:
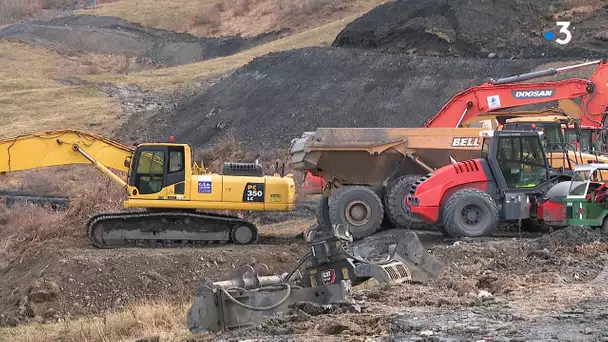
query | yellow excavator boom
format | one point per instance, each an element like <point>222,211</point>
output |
<point>65,147</point>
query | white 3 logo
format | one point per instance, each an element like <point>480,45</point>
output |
<point>564,29</point>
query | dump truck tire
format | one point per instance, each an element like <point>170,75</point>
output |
<point>357,207</point>
<point>470,213</point>
<point>395,203</point>
<point>322,214</point>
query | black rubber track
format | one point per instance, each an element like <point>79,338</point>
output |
<point>122,219</point>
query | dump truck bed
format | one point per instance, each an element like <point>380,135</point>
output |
<point>371,156</point>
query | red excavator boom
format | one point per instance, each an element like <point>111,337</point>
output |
<point>504,93</point>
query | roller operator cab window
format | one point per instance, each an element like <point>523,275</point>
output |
<point>150,172</point>
<point>580,180</point>
<point>522,161</point>
<point>485,148</point>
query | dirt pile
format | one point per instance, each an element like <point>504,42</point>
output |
<point>56,282</point>
<point>109,35</point>
<point>572,237</point>
<point>277,97</point>
<point>511,28</point>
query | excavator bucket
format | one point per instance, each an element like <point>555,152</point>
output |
<point>422,265</point>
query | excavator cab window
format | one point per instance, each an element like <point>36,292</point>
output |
<point>176,160</point>
<point>159,167</point>
<point>522,161</point>
<point>150,172</point>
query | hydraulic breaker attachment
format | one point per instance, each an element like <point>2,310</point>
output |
<point>249,296</point>
<point>332,261</point>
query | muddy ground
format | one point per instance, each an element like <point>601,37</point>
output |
<point>60,280</point>
<point>480,29</point>
<point>78,34</point>
<point>510,288</point>
<point>537,288</point>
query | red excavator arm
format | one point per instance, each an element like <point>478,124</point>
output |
<point>504,93</point>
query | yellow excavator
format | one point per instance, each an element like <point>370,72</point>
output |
<point>163,179</point>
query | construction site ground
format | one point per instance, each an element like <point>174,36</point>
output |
<point>512,287</point>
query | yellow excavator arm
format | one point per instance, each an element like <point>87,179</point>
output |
<point>65,147</point>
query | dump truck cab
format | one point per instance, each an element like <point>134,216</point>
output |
<point>589,139</point>
<point>560,129</point>
<point>551,126</point>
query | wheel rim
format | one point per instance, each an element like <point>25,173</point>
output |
<point>243,235</point>
<point>358,213</point>
<point>472,215</point>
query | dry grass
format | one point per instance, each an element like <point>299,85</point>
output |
<point>575,8</point>
<point>14,10</point>
<point>209,15</point>
<point>24,225</point>
<point>163,319</point>
<point>167,78</point>
<point>231,17</point>
<point>31,100</point>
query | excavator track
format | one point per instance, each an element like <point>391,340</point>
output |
<point>168,229</point>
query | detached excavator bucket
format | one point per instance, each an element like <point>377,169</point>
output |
<point>421,265</point>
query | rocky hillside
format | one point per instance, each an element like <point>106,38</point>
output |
<point>277,97</point>
<point>505,29</point>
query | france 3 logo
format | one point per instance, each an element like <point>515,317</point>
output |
<point>564,32</point>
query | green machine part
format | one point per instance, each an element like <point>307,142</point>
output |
<point>581,212</point>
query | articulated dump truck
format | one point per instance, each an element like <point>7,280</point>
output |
<point>367,172</point>
<point>371,169</point>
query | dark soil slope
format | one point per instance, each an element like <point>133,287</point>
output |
<point>108,35</point>
<point>480,28</point>
<point>275,98</point>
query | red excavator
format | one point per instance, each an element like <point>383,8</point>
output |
<point>469,106</point>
